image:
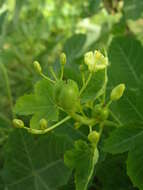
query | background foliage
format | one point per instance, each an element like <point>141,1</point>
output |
<point>41,30</point>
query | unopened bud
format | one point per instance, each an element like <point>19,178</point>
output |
<point>37,67</point>
<point>93,137</point>
<point>18,123</point>
<point>63,58</point>
<point>43,123</point>
<point>117,92</point>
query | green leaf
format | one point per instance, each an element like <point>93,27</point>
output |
<point>109,169</point>
<point>135,164</point>
<point>40,105</point>
<point>26,105</point>
<point>83,159</point>
<point>133,9</point>
<point>125,56</point>
<point>1,184</point>
<point>73,46</point>
<point>35,163</point>
<point>123,139</point>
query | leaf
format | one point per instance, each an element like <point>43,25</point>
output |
<point>125,56</point>
<point>73,134</point>
<point>26,105</point>
<point>123,139</point>
<point>133,9</point>
<point>83,159</point>
<point>107,172</point>
<point>41,104</point>
<point>35,163</point>
<point>1,184</point>
<point>73,46</point>
<point>135,164</point>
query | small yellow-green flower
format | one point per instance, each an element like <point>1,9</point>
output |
<point>95,61</point>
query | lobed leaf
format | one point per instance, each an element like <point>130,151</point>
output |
<point>35,163</point>
<point>123,139</point>
<point>125,56</point>
<point>40,104</point>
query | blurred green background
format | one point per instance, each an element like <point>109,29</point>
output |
<point>41,29</point>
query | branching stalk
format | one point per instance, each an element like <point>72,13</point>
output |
<point>47,78</point>
<point>86,83</point>
<point>36,131</point>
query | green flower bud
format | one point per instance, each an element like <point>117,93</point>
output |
<point>43,123</point>
<point>93,137</point>
<point>117,92</point>
<point>63,58</point>
<point>18,123</point>
<point>37,67</point>
<point>95,61</point>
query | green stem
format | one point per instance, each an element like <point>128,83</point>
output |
<point>90,128</point>
<point>86,83</point>
<point>36,131</point>
<point>109,103</point>
<point>101,127</point>
<point>81,111</point>
<point>53,73</point>
<point>7,87</point>
<point>47,78</point>
<point>105,85</point>
<point>83,78</point>
<point>102,91</point>
<point>62,72</point>
<point>83,120</point>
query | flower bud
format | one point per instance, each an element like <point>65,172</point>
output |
<point>93,137</point>
<point>43,123</point>
<point>63,58</point>
<point>18,123</point>
<point>117,92</point>
<point>37,67</point>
